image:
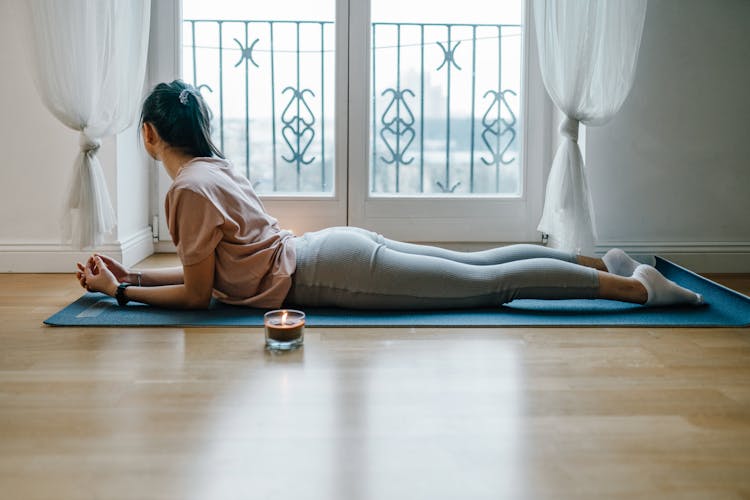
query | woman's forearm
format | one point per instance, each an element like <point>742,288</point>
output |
<point>157,277</point>
<point>170,296</point>
<point>189,287</point>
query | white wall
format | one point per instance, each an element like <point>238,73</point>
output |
<point>133,171</point>
<point>37,167</point>
<point>671,172</point>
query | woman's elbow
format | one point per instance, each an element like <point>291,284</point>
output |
<point>197,305</point>
<point>198,301</point>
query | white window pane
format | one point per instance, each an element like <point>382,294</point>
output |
<point>446,94</point>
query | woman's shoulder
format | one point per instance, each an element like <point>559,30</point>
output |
<point>199,173</point>
<point>205,164</point>
<point>212,178</point>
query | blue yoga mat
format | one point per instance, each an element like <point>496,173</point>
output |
<point>723,308</point>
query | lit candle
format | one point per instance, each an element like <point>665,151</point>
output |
<point>285,328</point>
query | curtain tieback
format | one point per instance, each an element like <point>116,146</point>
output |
<point>569,128</point>
<point>89,144</point>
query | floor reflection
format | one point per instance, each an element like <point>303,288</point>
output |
<point>371,417</point>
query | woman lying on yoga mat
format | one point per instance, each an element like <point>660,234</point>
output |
<point>231,249</point>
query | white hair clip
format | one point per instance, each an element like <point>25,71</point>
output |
<point>184,96</point>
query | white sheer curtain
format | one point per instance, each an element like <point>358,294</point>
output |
<point>89,64</point>
<point>588,51</point>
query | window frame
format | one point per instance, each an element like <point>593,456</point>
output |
<point>298,214</point>
<point>449,218</point>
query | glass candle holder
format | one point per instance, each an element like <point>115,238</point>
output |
<point>285,329</point>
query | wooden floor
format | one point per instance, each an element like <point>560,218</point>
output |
<point>381,414</point>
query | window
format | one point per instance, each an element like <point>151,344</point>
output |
<point>445,93</point>
<point>267,69</point>
<point>409,118</point>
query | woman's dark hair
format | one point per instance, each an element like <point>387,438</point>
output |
<point>181,117</point>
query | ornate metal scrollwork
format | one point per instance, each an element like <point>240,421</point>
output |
<point>498,127</point>
<point>449,55</point>
<point>396,127</point>
<point>247,53</point>
<point>446,189</point>
<point>298,131</point>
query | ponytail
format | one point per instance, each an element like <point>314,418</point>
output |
<point>181,117</point>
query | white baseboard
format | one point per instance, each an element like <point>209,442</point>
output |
<point>701,257</point>
<point>138,247</point>
<point>58,258</point>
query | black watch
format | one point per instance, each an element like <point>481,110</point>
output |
<point>120,294</point>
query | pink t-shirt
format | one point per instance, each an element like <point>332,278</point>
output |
<point>211,208</point>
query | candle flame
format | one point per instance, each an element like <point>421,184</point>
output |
<point>283,318</point>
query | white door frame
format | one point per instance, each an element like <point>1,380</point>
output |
<point>449,218</point>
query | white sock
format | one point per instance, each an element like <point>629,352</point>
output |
<point>620,263</point>
<point>661,291</point>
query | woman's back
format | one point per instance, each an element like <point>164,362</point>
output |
<point>212,208</point>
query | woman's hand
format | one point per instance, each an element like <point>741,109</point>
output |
<point>120,272</point>
<point>81,274</point>
<point>96,277</point>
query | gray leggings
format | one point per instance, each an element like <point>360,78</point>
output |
<point>353,268</point>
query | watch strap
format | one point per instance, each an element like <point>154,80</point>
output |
<point>120,294</point>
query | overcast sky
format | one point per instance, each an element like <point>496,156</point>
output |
<point>423,11</point>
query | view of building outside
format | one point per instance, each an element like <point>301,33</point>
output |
<point>445,93</point>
